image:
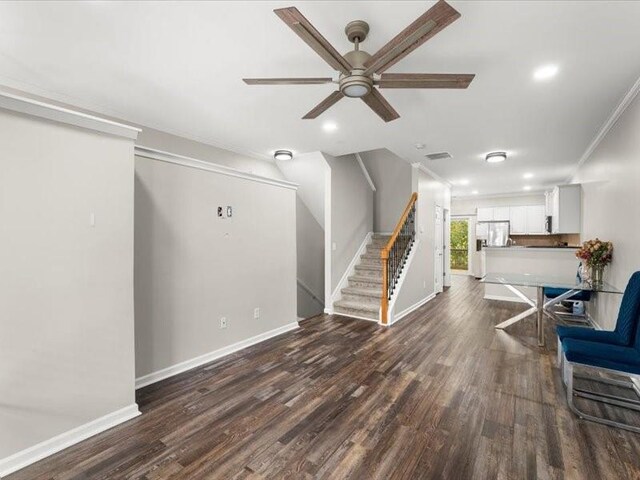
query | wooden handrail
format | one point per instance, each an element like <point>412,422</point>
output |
<point>384,256</point>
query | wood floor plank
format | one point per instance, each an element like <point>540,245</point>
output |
<point>441,394</point>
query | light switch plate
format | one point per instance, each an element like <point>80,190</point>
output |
<point>223,322</point>
<point>256,313</point>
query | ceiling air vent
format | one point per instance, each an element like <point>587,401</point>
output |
<point>438,156</point>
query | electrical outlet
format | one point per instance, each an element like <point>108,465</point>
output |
<point>223,322</point>
<point>256,313</point>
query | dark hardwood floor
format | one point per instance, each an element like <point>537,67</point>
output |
<point>440,395</point>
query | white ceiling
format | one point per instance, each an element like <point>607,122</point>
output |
<point>178,67</point>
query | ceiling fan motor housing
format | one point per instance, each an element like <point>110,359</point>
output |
<point>356,84</point>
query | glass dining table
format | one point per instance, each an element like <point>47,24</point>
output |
<point>572,286</point>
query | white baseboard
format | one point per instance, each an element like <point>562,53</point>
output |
<point>328,310</point>
<point>504,298</point>
<point>351,268</point>
<point>413,307</point>
<point>211,356</point>
<point>44,449</point>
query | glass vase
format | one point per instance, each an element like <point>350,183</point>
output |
<point>597,273</point>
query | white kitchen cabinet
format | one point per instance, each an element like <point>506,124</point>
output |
<point>535,219</point>
<point>484,214</point>
<point>566,209</point>
<point>518,220</point>
<point>548,203</point>
<point>501,213</point>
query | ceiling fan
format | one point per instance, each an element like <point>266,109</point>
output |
<point>360,72</point>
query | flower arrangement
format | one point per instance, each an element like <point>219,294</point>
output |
<point>595,253</point>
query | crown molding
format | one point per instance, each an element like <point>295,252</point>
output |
<point>611,121</point>
<point>176,159</point>
<point>36,108</point>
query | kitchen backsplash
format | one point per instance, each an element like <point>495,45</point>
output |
<point>572,239</point>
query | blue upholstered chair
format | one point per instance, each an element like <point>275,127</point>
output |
<point>615,352</point>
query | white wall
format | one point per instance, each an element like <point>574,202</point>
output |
<point>351,212</point>
<point>610,180</point>
<point>66,288</point>
<point>392,177</point>
<point>469,205</point>
<point>419,283</point>
<point>192,268</point>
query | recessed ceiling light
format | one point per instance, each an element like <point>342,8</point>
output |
<point>545,72</point>
<point>527,175</point>
<point>496,157</point>
<point>419,146</point>
<point>329,127</point>
<point>463,182</point>
<point>474,192</point>
<point>526,187</point>
<point>283,155</point>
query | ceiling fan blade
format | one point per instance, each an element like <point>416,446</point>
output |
<point>379,104</point>
<point>422,29</point>
<point>425,80</point>
<point>287,81</point>
<point>324,105</point>
<point>299,24</point>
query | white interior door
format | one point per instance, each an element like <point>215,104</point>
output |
<point>438,262</point>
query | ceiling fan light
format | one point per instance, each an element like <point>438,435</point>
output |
<point>496,157</point>
<point>283,155</point>
<point>355,90</point>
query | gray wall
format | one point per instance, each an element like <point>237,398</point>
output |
<point>191,268</point>
<point>311,172</point>
<point>310,268</point>
<point>391,176</point>
<point>419,282</point>
<point>351,212</point>
<point>610,181</point>
<point>66,288</point>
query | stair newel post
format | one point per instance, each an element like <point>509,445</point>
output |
<point>384,306</point>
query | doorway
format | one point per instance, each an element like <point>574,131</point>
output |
<point>459,242</point>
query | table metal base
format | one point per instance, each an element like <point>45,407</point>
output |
<point>538,307</point>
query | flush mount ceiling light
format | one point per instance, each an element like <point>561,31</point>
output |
<point>526,188</point>
<point>283,155</point>
<point>527,175</point>
<point>419,146</point>
<point>496,157</point>
<point>545,72</point>
<point>474,192</point>
<point>329,127</point>
<point>463,182</point>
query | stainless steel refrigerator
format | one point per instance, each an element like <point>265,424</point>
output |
<point>493,234</point>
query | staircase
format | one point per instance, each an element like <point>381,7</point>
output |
<point>362,297</point>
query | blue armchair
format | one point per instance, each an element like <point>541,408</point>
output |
<point>615,352</point>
